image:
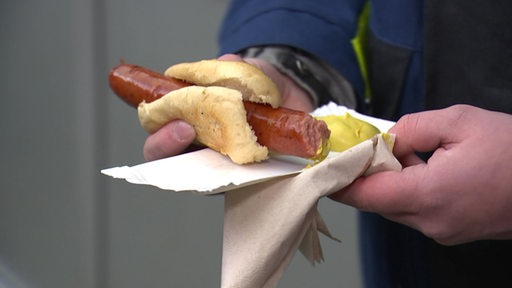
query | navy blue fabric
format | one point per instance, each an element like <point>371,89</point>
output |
<point>392,255</point>
<point>321,27</point>
<point>400,24</point>
<point>413,95</point>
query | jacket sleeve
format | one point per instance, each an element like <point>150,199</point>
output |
<point>323,28</point>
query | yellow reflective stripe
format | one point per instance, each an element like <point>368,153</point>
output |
<point>359,46</point>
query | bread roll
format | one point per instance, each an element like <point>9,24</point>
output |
<point>217,115</point>
<point>255,85</point>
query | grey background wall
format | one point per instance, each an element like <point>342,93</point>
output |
<point>63,224</point>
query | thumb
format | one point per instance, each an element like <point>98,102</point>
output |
<point>171,139</point>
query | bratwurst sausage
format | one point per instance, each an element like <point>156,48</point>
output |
<point>134,84</point>
<point>281,130</point>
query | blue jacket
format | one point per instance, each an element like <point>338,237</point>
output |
<point>325,28</point>
<point>459,50</point>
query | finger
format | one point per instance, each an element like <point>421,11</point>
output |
<point>169,140</point>
<point>230,57</point>
<point>387,192</point>
<point>393,195</point>
<point>422,132</point>
<point>411,160</point>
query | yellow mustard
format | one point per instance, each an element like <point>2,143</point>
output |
<point>347,131</point>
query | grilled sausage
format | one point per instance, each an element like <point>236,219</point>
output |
<point>281,130</point>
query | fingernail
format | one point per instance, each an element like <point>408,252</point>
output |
<point>183,131</point>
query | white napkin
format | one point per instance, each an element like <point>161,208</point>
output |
<point>218,173</point>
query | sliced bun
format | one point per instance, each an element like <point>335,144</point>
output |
<point>244,77</point>
<point>217,115</point>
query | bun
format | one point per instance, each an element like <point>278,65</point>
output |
<point>217,115</point>
<point>244,77</point>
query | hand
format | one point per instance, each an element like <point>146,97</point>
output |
<point>462,193</point>
<point>294,97</point>
<point>176,136</point>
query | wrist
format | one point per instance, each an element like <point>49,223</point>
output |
<point>320,81</point>
<point>293,95</point>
